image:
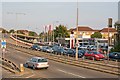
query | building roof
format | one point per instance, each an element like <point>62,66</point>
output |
<point>72,29</point>
<point>96,30</point>
<point>82,28</point>
<point>1,29</point>
<point>110,30</point>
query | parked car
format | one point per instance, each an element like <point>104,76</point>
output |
<point>72,52</point>
<point>37,62</point>
<point>49,50</point>
<point>44,48</point>
<point>58,50</point>
<point>35,47</point>
<point>114,55</point>
<point>92,47</point>
<point>83,47</point>
<point>95,55</point>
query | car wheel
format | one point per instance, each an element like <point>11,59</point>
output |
<point>46,68</point>
<point>33,67</point>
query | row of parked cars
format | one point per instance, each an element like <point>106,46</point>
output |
<point>55,49</point>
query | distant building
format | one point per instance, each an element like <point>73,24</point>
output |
<point>86,32</point>
<point>1,29</point>
<point>25,32</point>
<point>104,32</point>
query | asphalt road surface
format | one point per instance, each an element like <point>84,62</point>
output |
<point>56,69</point>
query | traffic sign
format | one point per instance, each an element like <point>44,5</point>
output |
<point>3,43</point>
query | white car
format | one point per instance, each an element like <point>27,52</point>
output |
<point>37,62</point>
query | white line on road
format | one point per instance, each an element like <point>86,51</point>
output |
<point>70,73</point>
<point>30,76</point>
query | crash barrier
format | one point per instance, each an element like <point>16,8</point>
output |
<point>7,68</point>
<point>10,64</point>
<point>81,63</point>
<point>29,44</point>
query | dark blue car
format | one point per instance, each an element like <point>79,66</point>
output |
<point>114,55</point>
<point>35,47</point>
<point>72,53</point>
<point>58,50</point>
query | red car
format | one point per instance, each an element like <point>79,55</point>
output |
<point>94,55</point>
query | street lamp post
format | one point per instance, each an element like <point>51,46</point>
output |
<point>16,20</point>
<point>76,56</point>
<point>53,31</point>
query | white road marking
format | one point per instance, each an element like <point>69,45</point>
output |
<point>30,76</point>
<point>70,73</point>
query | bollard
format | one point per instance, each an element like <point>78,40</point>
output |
<point>83,58</point>
<point>93,59</point>
<point>21,68</point>
<point>68,56</point>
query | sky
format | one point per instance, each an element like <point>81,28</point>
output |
<point>39,14</point>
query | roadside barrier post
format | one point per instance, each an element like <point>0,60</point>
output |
<point>83,57</point>
<point>93,58</point>
<point>21,68</point>
<point>68,56</point>
<point>116,61</point>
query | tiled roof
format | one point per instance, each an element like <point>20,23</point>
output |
<point>82,28</point>
<point>71,29</point>
<point>1,29</point>
<point>110,30</point>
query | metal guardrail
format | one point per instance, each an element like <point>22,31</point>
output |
<point>10,64</point>
<point>81,63</point>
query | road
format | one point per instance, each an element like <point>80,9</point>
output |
<point>56,69</point>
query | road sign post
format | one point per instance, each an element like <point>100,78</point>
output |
<point>3,46</point>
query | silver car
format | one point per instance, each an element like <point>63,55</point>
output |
<point>37,62</point>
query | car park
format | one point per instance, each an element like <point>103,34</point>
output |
<point>37,62</point>
<point>114,55</point>
<point>94,55</point>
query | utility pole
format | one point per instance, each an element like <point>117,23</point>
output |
<point>76,56</point>
<point>16,21</point>
<point>53,31</point>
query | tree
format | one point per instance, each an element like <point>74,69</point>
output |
<point>61,31</point>
<point>4,31</point>
<point>11,31</point>
<point>116,47</point>
<point>117,26</point>
<point>31,33</point>
<point>96,35</point>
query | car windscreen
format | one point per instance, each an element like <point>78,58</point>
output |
<point>42,60</point>
<point>96,52</point>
